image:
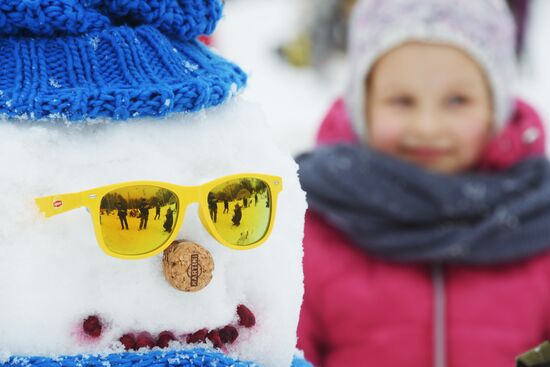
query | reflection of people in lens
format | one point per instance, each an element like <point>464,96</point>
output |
<point>245,202</point>
<point>225,206</point>
<point>255,199</point>
<point>267,201</point>
<point>169,222</point>
<point>157,211</point>
<point>122,213</point>
<point>213,207</point>
<point>237,215</point>
<point>143,214</point>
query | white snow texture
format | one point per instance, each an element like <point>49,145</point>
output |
<point>53,273</point>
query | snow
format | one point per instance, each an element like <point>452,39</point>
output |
<point>53,274</point>
<point>94,41</point>
<point>54,83</point>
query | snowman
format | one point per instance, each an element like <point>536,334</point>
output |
<point>148,219</point>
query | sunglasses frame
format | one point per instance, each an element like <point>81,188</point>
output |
<point>91,199</point>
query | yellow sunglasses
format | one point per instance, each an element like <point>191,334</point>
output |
<point>139,219</point>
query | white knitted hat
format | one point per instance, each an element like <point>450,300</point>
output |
<point>484,29</point>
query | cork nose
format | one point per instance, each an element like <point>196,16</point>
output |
<point>187,266</point>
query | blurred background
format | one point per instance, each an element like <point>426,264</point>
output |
<point>293,53</point>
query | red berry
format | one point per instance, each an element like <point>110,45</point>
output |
<point>92,326</point>
<point>228,334</point>
<point>165,338</point>
<point>206,40</point>
<point>197,337</point>
<point>144,339</point>
<point>246,317</point>
<point>214,337</point>
<point>128,341</point>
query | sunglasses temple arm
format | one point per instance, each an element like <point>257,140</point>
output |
<point>57,204</point>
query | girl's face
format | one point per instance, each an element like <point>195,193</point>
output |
<point>430,105</point>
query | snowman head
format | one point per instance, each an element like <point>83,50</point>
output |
<point>131,225</point>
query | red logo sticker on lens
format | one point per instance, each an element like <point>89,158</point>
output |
<point>57,203</point>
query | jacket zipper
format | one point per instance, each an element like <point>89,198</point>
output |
<point>439,329</point>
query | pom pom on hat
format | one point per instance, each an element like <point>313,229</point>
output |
<point>185,20</point>
<point>484,29</point>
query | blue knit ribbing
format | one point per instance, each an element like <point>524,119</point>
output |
<point>118,73</point>
<point>115,59</point>
<point>184,19</point>
<point>157,358</point>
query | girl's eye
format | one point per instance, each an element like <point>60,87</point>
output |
<point>458,100</point>
<point>401,101</point>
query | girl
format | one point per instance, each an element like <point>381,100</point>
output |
<point>427,242</point>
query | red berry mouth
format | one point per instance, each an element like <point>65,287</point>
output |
<point>92,326</point>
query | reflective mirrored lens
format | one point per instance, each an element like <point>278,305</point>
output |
<point>240,210</point>
<point>137,219</point>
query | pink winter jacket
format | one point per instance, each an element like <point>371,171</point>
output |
<point>363,311</point>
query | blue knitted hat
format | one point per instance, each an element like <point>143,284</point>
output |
<point>117,59</point>
<point>156,358</point>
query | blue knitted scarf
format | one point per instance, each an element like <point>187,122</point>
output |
<point>401,212</point>
<point>156,358</point>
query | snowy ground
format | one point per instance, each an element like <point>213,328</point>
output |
<point>295,100</point>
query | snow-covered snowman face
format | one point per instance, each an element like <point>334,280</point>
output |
<point>61,294</point>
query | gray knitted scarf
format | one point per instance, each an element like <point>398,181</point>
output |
<point>401,212</point>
